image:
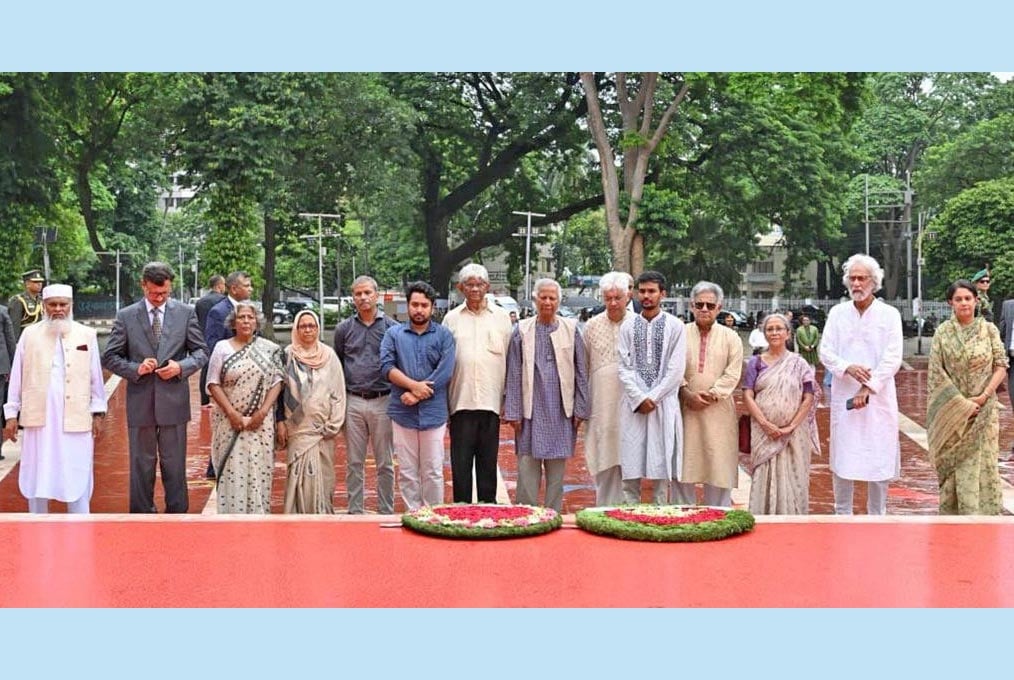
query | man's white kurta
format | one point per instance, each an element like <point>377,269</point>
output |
<point>650,443</point>
<point>864,442</point>
<point>56,464</point>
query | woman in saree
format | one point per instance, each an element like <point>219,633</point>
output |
<point>967,362</point>
<point>244,380</point>
<point>314,399</point>
<point>781,394</point>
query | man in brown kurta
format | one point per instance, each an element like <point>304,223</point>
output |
<point>714,365</point>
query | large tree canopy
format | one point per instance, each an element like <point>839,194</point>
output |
<point>483,141</point>
<point>975,227</point>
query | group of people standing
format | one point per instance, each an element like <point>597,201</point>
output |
<point>656,395</point>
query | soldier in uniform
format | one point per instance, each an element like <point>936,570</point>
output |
<point>26,308</point>
<point>983,307</point>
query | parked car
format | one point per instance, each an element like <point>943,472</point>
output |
<point>817,315</point>
<point>295,305</point>
<point>739,318</point>
<point>279,314</point>
<point>910,327</point>
<point>507,302</point>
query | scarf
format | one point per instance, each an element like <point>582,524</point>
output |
<point>313,356</point>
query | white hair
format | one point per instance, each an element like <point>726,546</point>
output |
<point>776,315</point>
<point>867,263</point>
<point>707,287</point>
<point>473,271</point>
<point>621,281</point>
<point>546,283</point>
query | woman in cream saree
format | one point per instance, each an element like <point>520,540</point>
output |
<point>314,401</point>
<point>781,395</point>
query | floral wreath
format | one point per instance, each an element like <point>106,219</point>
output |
<point>665,522</point>
<point>482,520</point>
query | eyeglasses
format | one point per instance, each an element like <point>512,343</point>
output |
<point>307,327</point>
<point>710,306</point>
<point>983,280</point>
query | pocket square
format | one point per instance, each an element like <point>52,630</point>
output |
<point>83,348</point>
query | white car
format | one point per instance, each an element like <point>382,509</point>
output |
<point>507,302</point>
<point>337,304</point>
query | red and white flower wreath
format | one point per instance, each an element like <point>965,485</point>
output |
<point>482,520</point>
<point>681,523</point>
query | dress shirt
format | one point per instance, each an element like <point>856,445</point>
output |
<point>426,356</point>
<point>480,367</point>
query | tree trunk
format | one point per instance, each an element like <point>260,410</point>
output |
<point>637,113</point>
<point>268,296</point>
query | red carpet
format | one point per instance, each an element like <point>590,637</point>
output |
<point>341,563</point>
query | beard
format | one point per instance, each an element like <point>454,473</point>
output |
<point>57,327</point>
<point>858,295</point>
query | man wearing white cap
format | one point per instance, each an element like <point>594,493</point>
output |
<point>57,396</point>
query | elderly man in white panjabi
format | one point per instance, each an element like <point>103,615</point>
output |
<point>58,397</point>
<point>862,349</point>
<point>602,433</point>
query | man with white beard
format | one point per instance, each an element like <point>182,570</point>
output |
<point>862,349</point>
<point>57,396</point>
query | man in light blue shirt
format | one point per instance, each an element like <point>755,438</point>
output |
<point>417,357</point>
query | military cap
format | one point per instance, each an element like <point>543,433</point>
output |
<point>33,275</point>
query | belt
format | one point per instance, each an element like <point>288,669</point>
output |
<point>369,395</point>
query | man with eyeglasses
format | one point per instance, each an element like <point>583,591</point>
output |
<point>710,434</point>
<point>984,307</point>
<point>862,349</point>
<point>653,357</point>
<point>156,345</point>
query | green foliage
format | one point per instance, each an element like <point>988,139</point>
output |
<point>983,152</point>
<point>582,245</point>
<point>233,244</point>
<point>596,521</point>
<point>975,227</point>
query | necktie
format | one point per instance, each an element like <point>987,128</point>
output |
<point>156,324</point>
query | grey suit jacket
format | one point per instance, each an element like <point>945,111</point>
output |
<point>151,400</point>
<point>1007,322</point>
<point>7,341</point>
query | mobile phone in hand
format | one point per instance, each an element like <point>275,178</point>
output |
<point>850,403</point>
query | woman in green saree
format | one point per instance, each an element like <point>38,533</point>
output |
<point>967,363</point>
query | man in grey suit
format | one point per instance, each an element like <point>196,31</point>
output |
<point>1007,333</point>
<point>7,346</point>
<point>155,345</point>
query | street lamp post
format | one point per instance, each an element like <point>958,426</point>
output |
<point>528,249</point>
<point>919,263</point>
<point>320,251</point>
<point>117,253</point>
<point>182,280</point>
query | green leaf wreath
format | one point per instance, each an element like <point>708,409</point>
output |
<point>679,523</point>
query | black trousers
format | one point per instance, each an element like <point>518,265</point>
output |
<point>475,436</point>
